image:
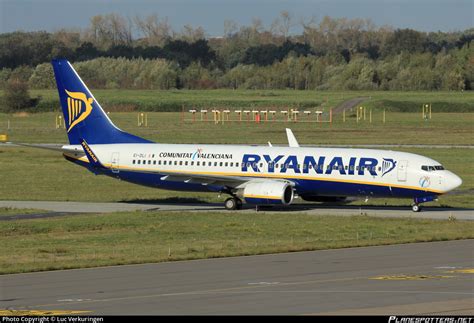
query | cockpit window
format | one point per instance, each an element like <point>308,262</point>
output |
<point>432,168</point>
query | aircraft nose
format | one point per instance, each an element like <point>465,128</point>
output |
<point>454,181</point>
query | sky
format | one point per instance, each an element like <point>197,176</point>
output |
<point>51,15</point>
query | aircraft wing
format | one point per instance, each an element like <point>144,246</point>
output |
<point>232,182</point>
<point>219,180</point>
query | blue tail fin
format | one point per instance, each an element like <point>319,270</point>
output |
<point>83,115</point>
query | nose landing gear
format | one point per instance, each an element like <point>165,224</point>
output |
<point>416,207</point>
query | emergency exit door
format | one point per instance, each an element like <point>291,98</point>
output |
<point>402,170</point>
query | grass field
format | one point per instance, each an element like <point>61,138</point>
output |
<point>399,128</point>
<point>173,100</point>
<point>14,211</point>
<point>140,237</point>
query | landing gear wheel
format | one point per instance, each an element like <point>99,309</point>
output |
<point>233,203</point>
<point>415,208</point>
<point>230,203</point>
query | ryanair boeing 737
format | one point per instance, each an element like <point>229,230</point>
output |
<point>259,175</point>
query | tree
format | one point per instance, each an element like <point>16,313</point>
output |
<point>42,77</point>
<point>17,97</point>
<point>155,29</point>
<point>283,24</point>
<point>408,40</point>
<point>86,51</point>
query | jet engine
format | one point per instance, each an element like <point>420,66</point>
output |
<point>268,192</point>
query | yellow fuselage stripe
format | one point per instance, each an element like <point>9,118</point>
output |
<point>275,176</point>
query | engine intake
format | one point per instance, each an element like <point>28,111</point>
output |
<point>269,192</point>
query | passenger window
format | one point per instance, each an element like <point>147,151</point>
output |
<point>231,164</point>
<point>133,161</point>
<point>154,162</point>
<point>180,163</point>
<point>203,163</point>
<point>138,162</point>
<point>159,162</point>
<point>237,164</point>
<point>198,163</point>
<point>149,162</point>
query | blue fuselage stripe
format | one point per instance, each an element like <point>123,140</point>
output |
<point>303,186</point>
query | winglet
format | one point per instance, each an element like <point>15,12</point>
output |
<point>94,161</point>
<point>292,142</point>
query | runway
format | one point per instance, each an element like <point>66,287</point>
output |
<point>54,209</point>
<point>424,278</point>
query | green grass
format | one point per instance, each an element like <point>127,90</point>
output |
<point>15,211</point>
<point>400,128</point>
<point>441,101</point>
<point>173,100</point>
<point>141,237</point>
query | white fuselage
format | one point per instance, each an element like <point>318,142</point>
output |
<point>315,171</point>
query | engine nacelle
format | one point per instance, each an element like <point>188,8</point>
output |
<point>268,192</point>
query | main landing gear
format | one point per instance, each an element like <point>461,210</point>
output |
<point>233,203</point>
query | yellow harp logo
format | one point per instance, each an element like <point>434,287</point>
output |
<point>78,108</point>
